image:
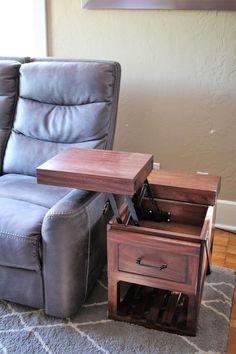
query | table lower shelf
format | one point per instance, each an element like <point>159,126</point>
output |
<point>157,309</point>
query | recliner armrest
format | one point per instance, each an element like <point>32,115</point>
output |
<point>70,229</point>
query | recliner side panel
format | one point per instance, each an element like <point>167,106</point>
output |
<point>9,74</point>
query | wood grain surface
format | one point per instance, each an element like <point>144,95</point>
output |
<point>97,170</point>
<point>184,186</point>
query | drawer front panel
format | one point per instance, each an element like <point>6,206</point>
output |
<point>153,263</point>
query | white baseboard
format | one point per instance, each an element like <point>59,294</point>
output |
<point>226,215</point>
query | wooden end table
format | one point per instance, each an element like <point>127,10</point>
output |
<point>166,263</point>
<point>159,242</point>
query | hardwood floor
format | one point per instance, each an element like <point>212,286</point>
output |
<point>224,254</point>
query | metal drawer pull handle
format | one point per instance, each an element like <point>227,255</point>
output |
<point>139,260</point>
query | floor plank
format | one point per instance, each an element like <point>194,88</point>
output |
<point>224,254</point>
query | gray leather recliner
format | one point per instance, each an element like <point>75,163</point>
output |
<point>52,239</point>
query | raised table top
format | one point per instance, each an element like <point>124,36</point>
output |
<point>110,171</point>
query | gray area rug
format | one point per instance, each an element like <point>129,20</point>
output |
<point>25,330</point>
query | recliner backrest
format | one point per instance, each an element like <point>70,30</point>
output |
<point>61,104</point>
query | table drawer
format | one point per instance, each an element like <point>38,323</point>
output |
<point>163,255</point>
<point>153,262</point>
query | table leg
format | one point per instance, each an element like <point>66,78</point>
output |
<point>113,297</point>
<point>192,313</point>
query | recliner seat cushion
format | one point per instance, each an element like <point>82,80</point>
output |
<point>20,233</point>
<point>23,205</point>
<point>26,188</point>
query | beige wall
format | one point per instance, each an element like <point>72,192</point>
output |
<point>178,91</point>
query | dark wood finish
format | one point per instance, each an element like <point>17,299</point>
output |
<point>162,4</point>
<point>181,213</point>
<point>193,311</point>
<point>181,276</point>
<point>128,247</point>
<point>153,262</point>
<point>188,187</point>
<point>97,170</point>
<point>158,309</point>
<point>170,258</point>
<point>188,221</point>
